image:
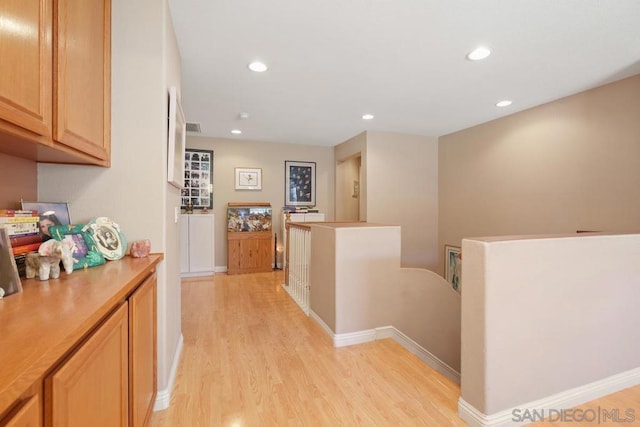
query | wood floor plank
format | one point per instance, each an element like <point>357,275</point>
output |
<point>252,358</point>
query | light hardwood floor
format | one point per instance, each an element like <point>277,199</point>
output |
<point>252,358</point>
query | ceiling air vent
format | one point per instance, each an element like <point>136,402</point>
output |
<point>193,127</point>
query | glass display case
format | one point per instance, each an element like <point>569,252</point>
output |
<point>248,217</point>
<point>249,238</point>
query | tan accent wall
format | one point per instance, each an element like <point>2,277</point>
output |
<point>572,164</point>
<point>229,154</point>
<point>18,180</point>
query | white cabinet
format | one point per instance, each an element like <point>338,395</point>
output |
<point>197,248</point>
<point>295,217</point>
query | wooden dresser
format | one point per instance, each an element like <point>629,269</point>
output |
<point>81,350</point>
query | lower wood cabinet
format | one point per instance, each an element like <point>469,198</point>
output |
<point>142,352</point>
<point>91,387</point>
<point>29,414</point>
<point>110,380</point>
<point>249,252</point>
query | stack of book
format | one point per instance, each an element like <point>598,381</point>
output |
<point>22,228</point>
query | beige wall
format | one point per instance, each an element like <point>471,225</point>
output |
<point>18,180</point>
<point>270,157</point>
<point>402,189</point>
<point>567,165</point>
<point>544,315</point>
<point>357,285</point>
<point>134,192</point>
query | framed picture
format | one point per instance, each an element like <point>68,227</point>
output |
<point>176,140</point>
<point>51,213</point>
<point>300,183</point>
<point>248,179</point>
<point>453,266</point>
<point>85,251</point>
<point>110,240</point>
<point>9,277</point>
<point>198,179</point>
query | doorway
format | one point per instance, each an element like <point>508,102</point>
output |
<point>348,184</point>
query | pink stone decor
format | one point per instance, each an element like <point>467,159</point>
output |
<point>140,248</point>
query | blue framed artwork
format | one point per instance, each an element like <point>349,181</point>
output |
<point>300,183</point>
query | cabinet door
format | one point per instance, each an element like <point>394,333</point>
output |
<point>142,352</point>
<point>91,387</point>
<point>25,68</point>
<point>249,259</point>
<point>256,254</point>
<point>233,256</point>
<point>82,64</point>
<point>30,415</point>
<point>201,243</point>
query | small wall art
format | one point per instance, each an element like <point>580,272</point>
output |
<point>248,179</point>
<point>453,266</point>
<point>198,179</point>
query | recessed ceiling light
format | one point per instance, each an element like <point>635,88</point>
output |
<point>236,131</point>
<point>478,53</point>
<point>504,103</point>
<point>367,117</point>
<point>258,67</point>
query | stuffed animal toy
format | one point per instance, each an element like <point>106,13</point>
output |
<point>46,263</point>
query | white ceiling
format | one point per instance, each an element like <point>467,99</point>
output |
<point>330,61</point>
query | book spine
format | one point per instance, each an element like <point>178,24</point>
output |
<point>17,219</point>
<point>18,212</point>
<point>19,250</point>
<point>20,228</point>
<point>26,239</point>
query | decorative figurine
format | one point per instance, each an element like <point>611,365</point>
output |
<point>46,263</point>
<point>140,248</point>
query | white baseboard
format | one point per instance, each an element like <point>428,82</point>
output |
<point>320,322</point>
<point>550,405</point>
<point>198,274</point>
<point>221,269</point>
<point>422,353</point>
<point>341,340</point>
<point>163,398</point>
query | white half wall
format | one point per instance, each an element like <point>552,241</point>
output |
<point>547,314</point>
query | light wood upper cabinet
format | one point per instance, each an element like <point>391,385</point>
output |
<point>142,352</point>
<point>26,66</point>
<point>55,80</point>
<point>82,71</point>
<point>91,388</point>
